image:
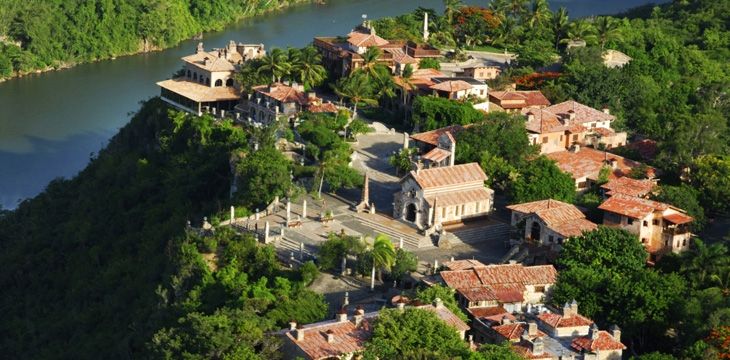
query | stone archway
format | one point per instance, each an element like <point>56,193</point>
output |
<point>535,231</point>
<point>411,212</point>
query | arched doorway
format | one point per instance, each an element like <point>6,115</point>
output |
<point>411,212</point>
<point>535,231</point>
<point>229,82</point>
<point>218,83</point>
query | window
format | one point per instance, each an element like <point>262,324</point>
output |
<point>443,212</point>
<point>539,289</point>
<point>477,206</point>
<point>684,242</point>
<point>195,76</point>
<point>219,82</point>
<point>463,209</point>
<point>643,240</point>
<point>550,239</point>
<point>646,223</point>
<point>655,222</point>
<point>188,74</point>
<point>575,137</point>
<point>630,221</point>
<point>229,82</point>
<point>593,125</point>
<point>545,140</point>
<point>561,137</point>
<point>560,241</point>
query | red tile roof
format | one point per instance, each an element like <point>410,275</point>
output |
<point>493,313</point>
<point>448,175</point>
<point>451,86</point>
<point>514,331</point>
<point>215,63</point>
<point>564,219</point>
<point>632,206</point>
<point>437,154</point>
<point>446,316</point>
<point>323,108</point>
<point>531,207</point>
<point>481,293</point>
<point>463,264</point>
<point>283,93</point>
<point>461,197</point>
<point>678,218</point>
<point>557,117</point>
<point>588,162</point>
<point>362,39</point>
<point>603,342</point>
<point>517,274</point>
<point>347,338</point>
<point>524,349</point>
<point>574,228</point>
<point>432,137</point>
<point>524,98</point>
<point>558,321</point>
<point>628,186</point>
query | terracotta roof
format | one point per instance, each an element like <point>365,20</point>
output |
<point>531,207</point>
<point>481,293</point>
<point>678,218</point>
<point>514,331</point>
<point>446,316</point>
<point>361,39</point>
<point>582,112</point>
<point>463,264</point>
<point>508,293</point>
<point>448,175</point>
<point>603,342</point>
<point>400,56</point>
<point>498,275</point>
<point>519,99</point>
<point>628,186</point>
<point>632,206</point>
<point>432,137</point>
<point>215,63</point>
<point>559,215</point>
<point>588,162</point>
<point>524,349</point>
<point>198,92</point>
<point>323,108</point>
<point>558,321</point>
<point>347,337</point>
<point>283,93</point>
<point>437,154</point>
<point>603,131</point>
<point>557,117</point>
<point>574,228</point>
<point>427,73</point>
<point>461,197</point>
<point>451,86</point>
<point>461,279</point>
<point>492,313</point>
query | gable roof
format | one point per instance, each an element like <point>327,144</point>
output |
<point>557,117</point>
<point>363,39</point>
<point>533,206</point>
<point>502,274</point>
<point>514,331</point>
<point>451,86</point>
<point>432,137</point>
<point>519,99</point>
<point>628,186</point>
<point>588,162</point>
<point>464,264</point>
<point>603,342</point>
<point>558,320</point>
<point>562,218</point>
<point>215,63</point>
<point>632,206</point>
<point>448,175</point>
<point>283,93</point>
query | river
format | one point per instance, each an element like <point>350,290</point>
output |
<point>51,123</point>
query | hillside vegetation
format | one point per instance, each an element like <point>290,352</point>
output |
<point>41,34</point>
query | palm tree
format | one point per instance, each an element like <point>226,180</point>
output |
<point>498,7</point>
<point>540,14</point>
<point>308,68</point>
<point>517,7</point>
<point>703,261</point>
<point>504,32</point>
<point>275,63</point>
<point>450,8</point>
<point>560,25</point>
<point>383,83</point>
<point>580,30</point>
<point>356,88</point>
<point>370,60</point>
<point>607,29</point>
<point>383,254</point>
<point>406,85</point>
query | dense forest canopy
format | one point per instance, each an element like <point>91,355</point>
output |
<point>39,34</point>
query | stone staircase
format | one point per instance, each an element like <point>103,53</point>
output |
<point>290,243</point>
<point>410,241</point>
<point>477,234</point>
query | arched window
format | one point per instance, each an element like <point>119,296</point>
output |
<point>411,213</point>
<point>229,82</point>
<point>219,82</point>
<point>195,76</point>
<point>188,74</point>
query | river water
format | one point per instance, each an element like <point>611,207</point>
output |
<point>51,123</point>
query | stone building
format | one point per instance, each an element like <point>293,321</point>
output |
<point>436,147</point>
<point>206,80</point>
<point>271,102</point>
<point>515,101</point>
<point>549,222</point>
<point>439,195</point>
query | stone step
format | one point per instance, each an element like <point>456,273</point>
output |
<point>496,232</point>
<point>410,242</point>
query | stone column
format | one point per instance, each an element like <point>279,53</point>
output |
<point>266,233</point>
<point>282,231</point>
<point>288,211</point>
<point>257,214</point>
<point>406,139</point>
<point>400,243</point>
<point>430,216</point>
<point>233,214</point>
<point>304,209</point>
<point>301,251</point>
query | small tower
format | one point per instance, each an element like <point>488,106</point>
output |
<point>364,205</point>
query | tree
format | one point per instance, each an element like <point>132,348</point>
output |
<point>501,351</point>
<point>431,112</point>
<point>370,61</point>
<point>263,175</point>
<point>276,64</point>
<point>580,30</point>
<point>429,63</point>
<point>405,263</point>
<point>383,255</point>
<point>401,160</point>
<point>711,176</point>
<point>429,294</point>
<point>541,179</point>
<point>450,8</point>
<point>356,88</point>
<point>308,69</point>
<point>703,261</point>
<point>499,133</point>
<point>540,14</point>
<point>560,24</point>
<point>607,30</point>
<point>404,334</point>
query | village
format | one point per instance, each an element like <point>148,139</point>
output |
<point>495,255</point>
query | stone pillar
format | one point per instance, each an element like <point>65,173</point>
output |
<point>282,231</point>
<point>400,243</point>
<point>257,214</point>
<point>372,208</point>
<point>266,233</point>
<point>276,201</point>
<point>233,214</point>
<point>301,251</point>
<point>347,299</point>
<point>304,209</point>
<point>406,139</point>
<point>288,211</point>
<point>365,197</point>
<point>425,27</point>
<point>430,216</point>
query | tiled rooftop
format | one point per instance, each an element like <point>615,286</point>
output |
<point>451,86</point>
<point>464,264</point>
<point>557,117</point>
<point>363,39</point>
<point>215,63</point>
<point>198,92</point>
<point>628,186</point>
<point>461,197</point>
<point>558,320</point>
<point>632,206</point>
<point>431,137</point>
<point>603,342</point>
<point>678,218</point>
<point>519,99</point>
<point>588,162</point>
<point>448,175</point>
<point>533,206</point>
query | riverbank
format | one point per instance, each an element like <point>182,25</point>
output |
<point>12,55</point>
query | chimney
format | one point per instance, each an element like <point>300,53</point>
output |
<point>438,303</point>
<point>200,48</point>
<point>292,325</point>
<point>359,315</point>
<point>594,331</point>
<point>538,346</point>
<point>616,332</point>
<point>300,333</point>
<point>330,336</point>
<point>532,329</point>
<point>567,311</point>
<point>574,307</point>
<point>231,46</point>
<point>606,111</point>
<point>506,320</point>
<point>342,315</point>
<point>513,262</point>
<point>206,61</point>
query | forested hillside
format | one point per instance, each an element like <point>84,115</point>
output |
<point>100,265</point>
<point>40,34</point>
